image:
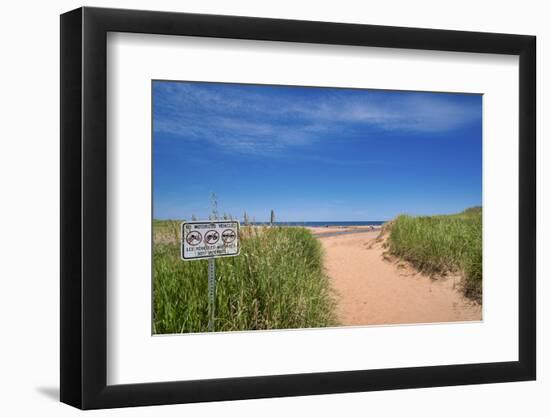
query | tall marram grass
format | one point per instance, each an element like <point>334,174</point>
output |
<point>277,282</point>
<point>440,244</point>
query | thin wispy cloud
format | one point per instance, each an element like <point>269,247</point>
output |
<point>259,120</point>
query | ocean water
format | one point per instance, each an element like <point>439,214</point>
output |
<point>325,224</point>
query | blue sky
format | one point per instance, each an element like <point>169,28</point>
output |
<point>313,154</point>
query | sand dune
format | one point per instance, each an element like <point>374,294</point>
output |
<point>372,289</point>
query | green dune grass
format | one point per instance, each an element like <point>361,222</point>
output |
<point>441,244</point>
<point>277,282</point>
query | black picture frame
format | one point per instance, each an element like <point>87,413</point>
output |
<point>84,207</point>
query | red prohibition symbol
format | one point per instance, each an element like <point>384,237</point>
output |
<point>228,235</point>
<point>193,238</point>
<point>211,237</point>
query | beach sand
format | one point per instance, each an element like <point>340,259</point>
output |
<point>373,289</point>
<point>338,229</point>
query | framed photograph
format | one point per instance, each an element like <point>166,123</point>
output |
<point>258,208</point>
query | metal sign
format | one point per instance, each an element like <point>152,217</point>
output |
<point>209,239</point>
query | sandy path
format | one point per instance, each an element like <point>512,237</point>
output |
<point>371,290</point>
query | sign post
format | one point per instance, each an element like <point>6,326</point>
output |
<point>211,293</point>
<point>210,240</point>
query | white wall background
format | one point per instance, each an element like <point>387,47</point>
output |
<point>29,213</point>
